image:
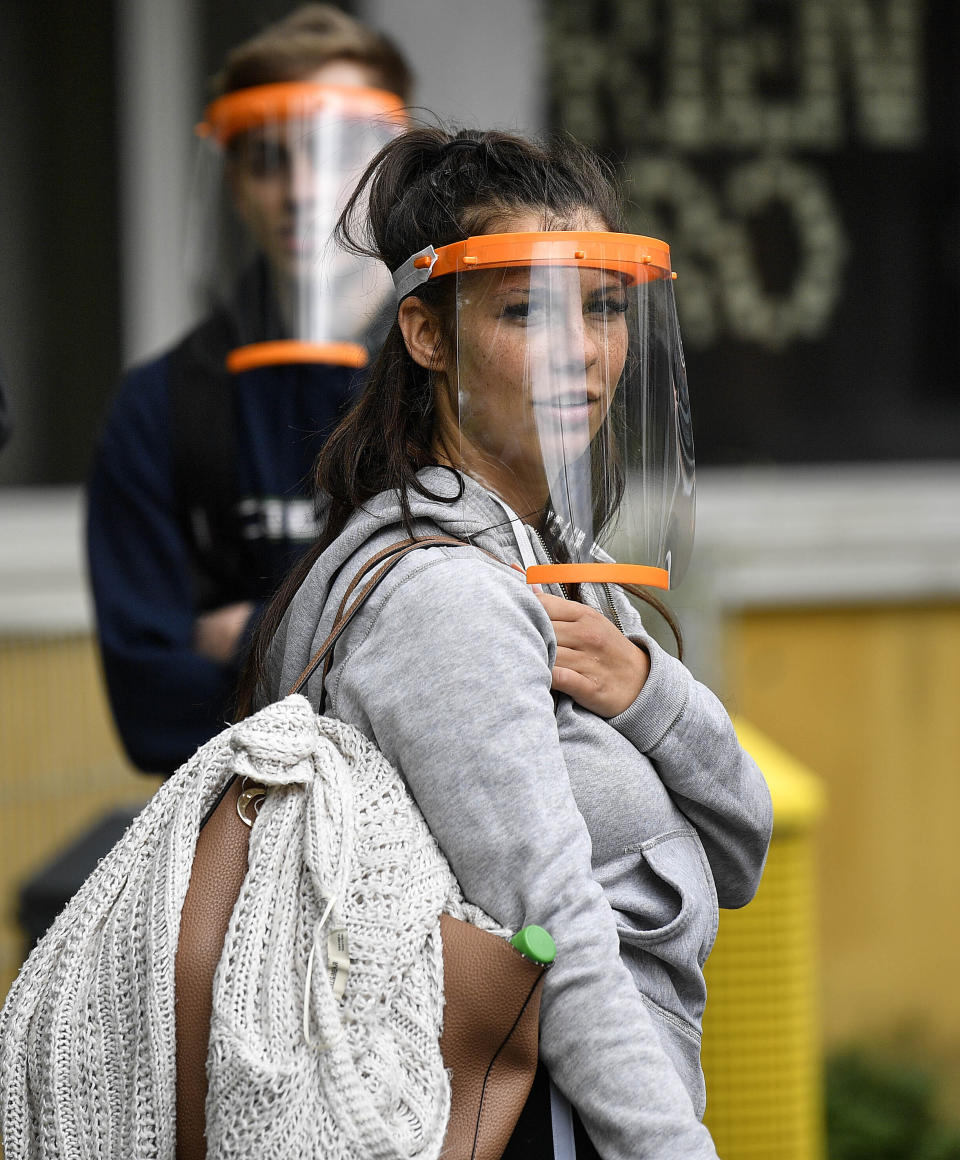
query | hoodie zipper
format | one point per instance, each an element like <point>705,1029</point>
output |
<point>613,608</point>
<point>614,615</point>
<point>550,559</point>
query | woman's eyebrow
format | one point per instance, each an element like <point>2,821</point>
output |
<point>608,288</point>
<point>613,286</point>
<point>505,290</point>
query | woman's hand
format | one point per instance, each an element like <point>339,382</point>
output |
<point>596,664</point>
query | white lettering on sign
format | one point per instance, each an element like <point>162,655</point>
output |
<point>722,282</point>
<point>763,90</point>
<point>701,74</point>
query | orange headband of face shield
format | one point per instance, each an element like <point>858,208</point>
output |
<point>639,258</point>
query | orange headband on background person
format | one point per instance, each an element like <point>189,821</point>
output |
<point>245,109</point>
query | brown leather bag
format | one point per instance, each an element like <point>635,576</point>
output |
<point>492,992</point>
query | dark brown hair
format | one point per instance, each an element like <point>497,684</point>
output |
<point>430,187</point>
<point>310,37</point>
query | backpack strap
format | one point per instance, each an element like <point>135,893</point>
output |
<point>203,432</point>
<point>384,561</point>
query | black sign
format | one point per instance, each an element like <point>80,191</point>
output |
<point>801,158</point>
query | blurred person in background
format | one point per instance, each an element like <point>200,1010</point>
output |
<point>198,501</point>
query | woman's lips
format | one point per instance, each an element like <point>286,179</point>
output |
<point>568,410</point>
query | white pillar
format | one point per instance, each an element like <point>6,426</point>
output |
<point>158,105</point>
<point>479,63</point>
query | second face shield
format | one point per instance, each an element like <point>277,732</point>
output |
<point>567,397</point>
<point>277,164</point>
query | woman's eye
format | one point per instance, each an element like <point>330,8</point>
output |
<point>609,304</point>
<point>521,311</point>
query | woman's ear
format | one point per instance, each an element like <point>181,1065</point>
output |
<point>422,333</point>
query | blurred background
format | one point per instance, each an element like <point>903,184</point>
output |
<point>802,157</point>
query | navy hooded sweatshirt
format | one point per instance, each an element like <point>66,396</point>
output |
<point>150,574</point>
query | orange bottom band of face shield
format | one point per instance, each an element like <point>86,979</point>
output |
<point>598,574</point>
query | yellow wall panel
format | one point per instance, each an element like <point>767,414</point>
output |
<point>61,767</point>
<point>870,699</point>
<point>761,1043</point>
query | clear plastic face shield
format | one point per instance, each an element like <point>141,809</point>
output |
<point>277,165</point>
<point>565,394</point>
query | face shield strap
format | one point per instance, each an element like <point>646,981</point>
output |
<point>414,272</point>
<point>519,534</point>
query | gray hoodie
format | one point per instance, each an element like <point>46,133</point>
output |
<point>619,836</point>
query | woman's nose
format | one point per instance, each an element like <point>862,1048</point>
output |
<point>591,346</point>
<point>574,346</point>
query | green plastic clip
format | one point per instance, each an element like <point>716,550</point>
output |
<point>533,942</point>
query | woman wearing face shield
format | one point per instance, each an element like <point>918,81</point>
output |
<point>530,402</point>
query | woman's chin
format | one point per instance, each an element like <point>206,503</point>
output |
<point>563,448</point>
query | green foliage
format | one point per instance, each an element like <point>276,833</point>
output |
<point>879,1110</point>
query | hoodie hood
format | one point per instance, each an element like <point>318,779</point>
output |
<point>462,508</point>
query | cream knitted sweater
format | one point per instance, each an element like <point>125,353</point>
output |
<point>327,1002</point>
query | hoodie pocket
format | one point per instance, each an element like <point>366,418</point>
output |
<point>676,900</point>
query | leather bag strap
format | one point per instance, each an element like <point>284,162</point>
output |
<point>387,559</point>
